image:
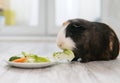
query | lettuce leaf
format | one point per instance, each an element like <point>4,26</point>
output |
<point>65,55</point>
<point>35,58</point>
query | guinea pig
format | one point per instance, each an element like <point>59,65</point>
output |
<point>89,41</point>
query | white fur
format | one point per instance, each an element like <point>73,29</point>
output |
<point>63,42</point>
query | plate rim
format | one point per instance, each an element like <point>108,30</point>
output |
<point>30,65</point>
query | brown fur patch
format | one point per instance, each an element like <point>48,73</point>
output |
<point>111,38</point>
<point>65,23</point>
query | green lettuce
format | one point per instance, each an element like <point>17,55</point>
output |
<point>13,58</point>
<point>65,55</point>
<point>35,58</point>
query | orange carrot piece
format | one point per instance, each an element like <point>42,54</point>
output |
<point>20,60</point>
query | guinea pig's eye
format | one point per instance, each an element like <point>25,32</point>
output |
<point>82,27</point>
<point>76,25</point>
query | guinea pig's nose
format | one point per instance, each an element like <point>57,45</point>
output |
<point>60,45</point>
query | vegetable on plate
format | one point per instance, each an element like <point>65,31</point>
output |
<point>28,58</point>
<point>66,55</point>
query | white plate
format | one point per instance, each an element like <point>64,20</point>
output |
<point>31,65</point>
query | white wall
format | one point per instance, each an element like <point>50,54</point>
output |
<point>111,14</point>
<point>69,9</point>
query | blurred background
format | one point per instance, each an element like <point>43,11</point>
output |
<point>42,19</point>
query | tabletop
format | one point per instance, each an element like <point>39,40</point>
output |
<point>74,72</point>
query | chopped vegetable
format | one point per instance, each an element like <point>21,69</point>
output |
<point>13,58</point>
<point>65,55</point>
<point>41,59</point>
<point>20,60</point>
<point>33,58</point>
<point>29,58</point>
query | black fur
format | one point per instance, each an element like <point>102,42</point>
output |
<point>94,41</point>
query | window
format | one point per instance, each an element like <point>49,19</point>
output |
<point>69,9</point>
<point>23,18</point>
<point>45,17</point>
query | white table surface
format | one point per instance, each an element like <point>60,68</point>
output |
<point>92,72</point>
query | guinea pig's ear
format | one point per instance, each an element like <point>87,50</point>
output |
<point>65,23</point>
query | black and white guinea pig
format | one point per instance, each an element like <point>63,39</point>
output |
<point>90,41</point>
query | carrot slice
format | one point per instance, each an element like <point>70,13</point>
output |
<point>20,60</point>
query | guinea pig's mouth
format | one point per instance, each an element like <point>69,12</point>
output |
<point>64,46</point>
